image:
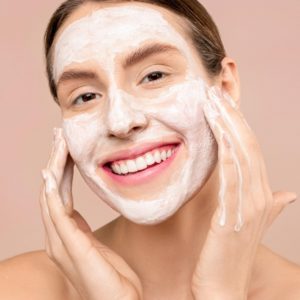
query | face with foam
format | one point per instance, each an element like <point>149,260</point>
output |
<point>142,82</point>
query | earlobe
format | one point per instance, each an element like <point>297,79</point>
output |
<point>229,79</point>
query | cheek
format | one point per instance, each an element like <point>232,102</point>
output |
<point>182,109</point>
<point>81,134</point>
<point>183,112</point>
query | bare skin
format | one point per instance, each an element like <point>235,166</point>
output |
<point>163,257</point>
<point>140,262</point>
<point>34,276</point>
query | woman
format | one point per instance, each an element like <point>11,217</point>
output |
<point>150,118</point>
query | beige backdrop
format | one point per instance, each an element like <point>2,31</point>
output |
<point>263,37</point>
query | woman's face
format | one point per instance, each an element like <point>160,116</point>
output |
<point>131,88</point>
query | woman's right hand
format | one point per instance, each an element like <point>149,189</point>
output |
<point>95,271</point>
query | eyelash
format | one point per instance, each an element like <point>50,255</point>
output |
<point>162,74</point>
<point>157,73</point>
<point>75,102</point>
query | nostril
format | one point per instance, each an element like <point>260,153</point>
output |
<point>136,128</point>
<point>126,127</point>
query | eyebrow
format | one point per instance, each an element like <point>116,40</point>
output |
<point>147,51</point>
<point>133,58</point>
<point>71,75</point>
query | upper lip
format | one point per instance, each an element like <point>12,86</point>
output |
<point>134,152</point>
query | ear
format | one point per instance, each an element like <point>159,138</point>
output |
<point>229,79</point>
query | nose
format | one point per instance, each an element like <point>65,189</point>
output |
<point>123,120</point>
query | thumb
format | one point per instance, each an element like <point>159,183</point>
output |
<point>281,200</point>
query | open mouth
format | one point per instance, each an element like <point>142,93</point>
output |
<point>143,162</point>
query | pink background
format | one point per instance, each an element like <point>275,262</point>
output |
<point>263,37</point>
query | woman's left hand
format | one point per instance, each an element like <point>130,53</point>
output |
<point>246,208</point>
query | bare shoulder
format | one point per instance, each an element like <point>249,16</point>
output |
<point>279,278</point>
<point>33,276</point>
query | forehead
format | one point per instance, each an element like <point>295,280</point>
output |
<point>140,9</point>
<point>96,33</point>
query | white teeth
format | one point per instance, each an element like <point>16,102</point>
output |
<point>141,163</point>
<point>118,168</point>
<point>149,159</point>
<point>131,166</point>
<point>169,153</point>
<point>124,169</point>
<point>163,155</point>
<point>157,156</point>
<point>114,168</point>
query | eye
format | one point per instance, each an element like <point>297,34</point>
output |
<point>86,98</point>
<point>154,76</point>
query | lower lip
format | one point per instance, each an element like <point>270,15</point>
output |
<point>142,176</point>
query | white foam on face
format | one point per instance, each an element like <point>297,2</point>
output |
<point>107,32</point>
<point>101,37</point>
<point>86,135</point>
<point>215,110</point>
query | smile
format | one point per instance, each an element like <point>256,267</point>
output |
<point>142,167</point>
<point>142,162</point>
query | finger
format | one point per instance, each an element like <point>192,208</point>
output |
<point>61,164</point>
<point>242,132</point>
<point>51,235</point>
<point>66,185</point>
<point>79,247</point>
<point>233,123</point>
<point>54,245</point>
<point>236,124</point>
<point>45,215</point>
<point>281,200</point>
<point>56,163</point>
<point>258,179</point>
<point>58,156</point>
<point>230,175</point>
<point>55,248</point>
<point>232,116</point>
<point>249,155</point>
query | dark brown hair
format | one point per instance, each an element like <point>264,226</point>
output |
<point>204,31</point>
